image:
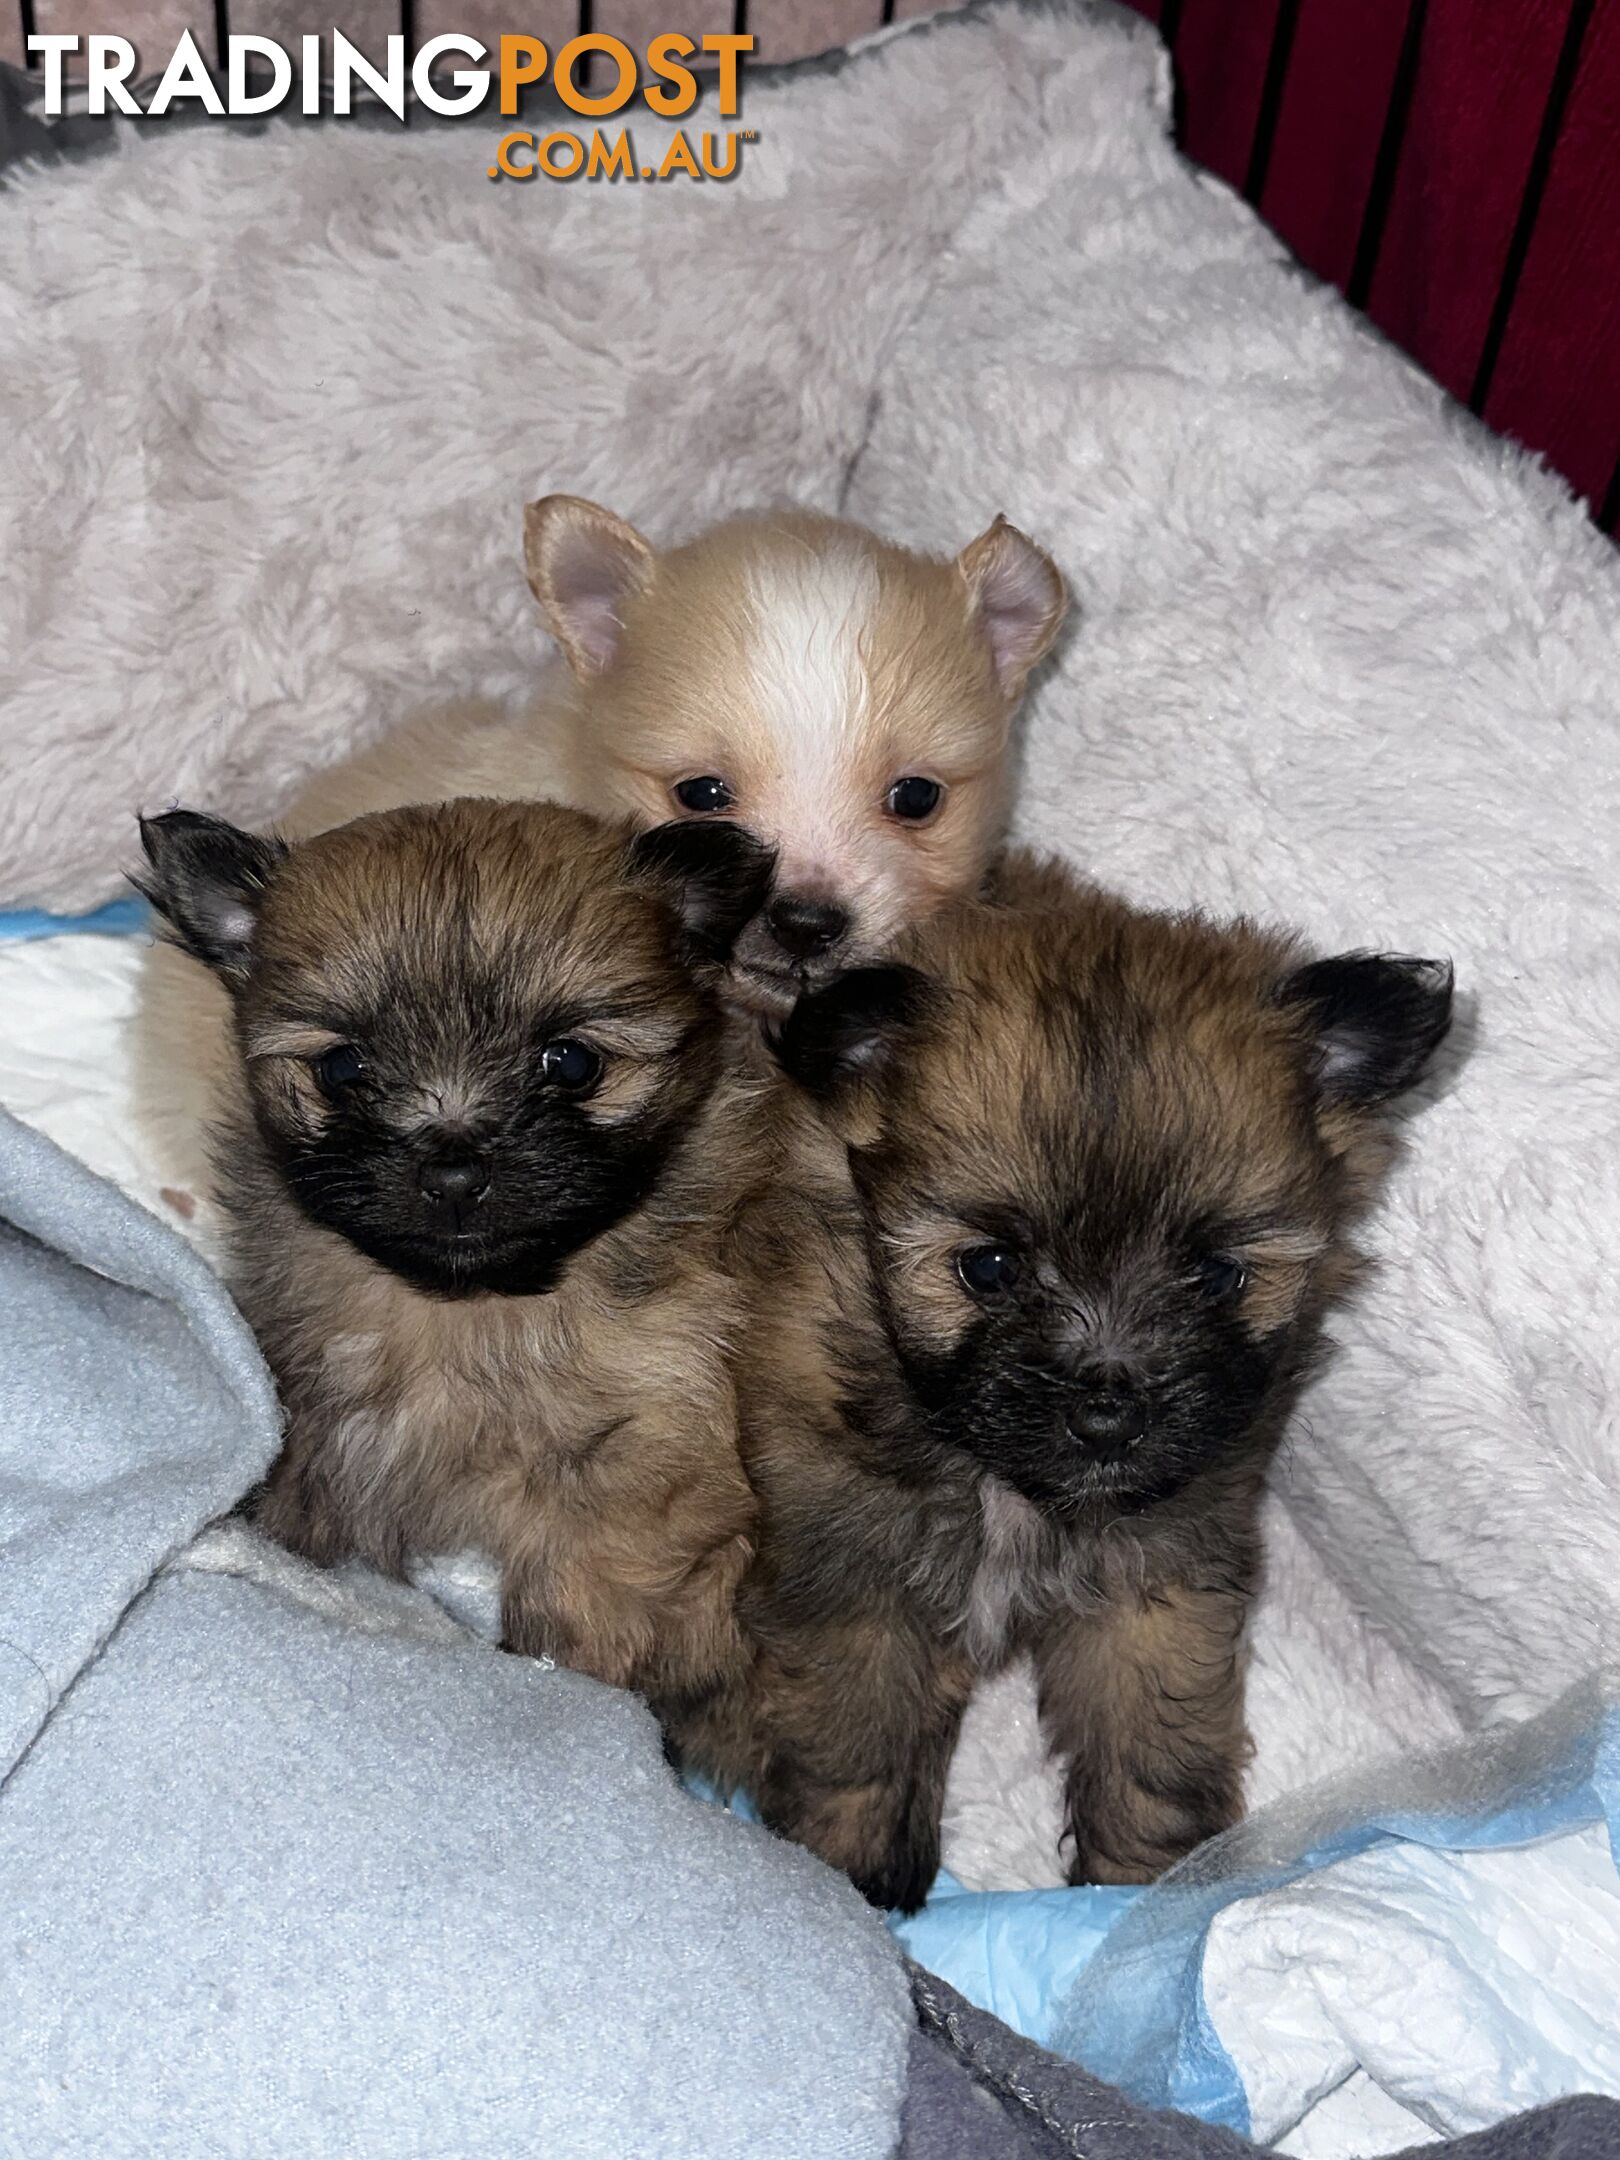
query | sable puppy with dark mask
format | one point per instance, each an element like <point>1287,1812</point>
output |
<point>1047,1242</point>
<point>477,1171</point>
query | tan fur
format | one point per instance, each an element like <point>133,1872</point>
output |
<point>1143,1701</point>
<point>584,1437</point>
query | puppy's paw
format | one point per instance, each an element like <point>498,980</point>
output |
<point>1148,1829</point>
<point>883,1833</point>
<point>526,1632</point>
<point>902,1880</point>
<point>1090,1865</point>
<point>298,1512</point>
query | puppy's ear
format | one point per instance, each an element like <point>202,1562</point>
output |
<point>716,874</point>
<point>207,881</point>
<point>584,564</point>
<point>834,1038</point>
<point>1377,1018</point>
<point>1018,599</point>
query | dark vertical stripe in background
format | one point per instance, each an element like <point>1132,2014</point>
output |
<point>1391,142</point>
<point>1341,70</point>
<point>27,10</point>
<point>1271,98</point>
<point>1535,186</point>
<point>222,30</point>
<point>1556,381</point>
<point>1223,51</point>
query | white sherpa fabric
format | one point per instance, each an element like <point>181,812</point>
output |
<point>272,405</point>
<point>1343,660</point>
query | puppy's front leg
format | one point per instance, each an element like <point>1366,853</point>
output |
<point>632,1577</point>
<point>860,1722</point>
<point>553,1607</point>
<point>298,1506</point>
<point>1144,1702</point>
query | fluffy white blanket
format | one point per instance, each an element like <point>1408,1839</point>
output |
<point>271,406</point>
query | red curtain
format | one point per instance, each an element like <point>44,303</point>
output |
<point>1454,167</point>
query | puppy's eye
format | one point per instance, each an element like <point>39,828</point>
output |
<point>705,796</point>
<point>987,1270</point>
<point>914,799</point>
<point>337,1069</point>
<point>571,1065</point>
<point>1221,1278</point>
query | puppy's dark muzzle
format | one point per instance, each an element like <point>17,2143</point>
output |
<point>1109,1415</point>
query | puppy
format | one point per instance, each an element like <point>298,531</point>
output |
<point>1046,1246</point>
<point>476,1167</point>
<point>848,701</point>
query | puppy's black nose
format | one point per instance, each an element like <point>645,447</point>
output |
<point>1108,1415</point>
<point>805,927</point>
<point>456,1180</point>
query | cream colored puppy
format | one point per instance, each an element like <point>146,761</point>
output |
<point>849,701</point>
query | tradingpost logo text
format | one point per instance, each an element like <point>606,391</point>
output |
<point>594,76</point>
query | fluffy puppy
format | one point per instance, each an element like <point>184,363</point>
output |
<point>476,1165</point>
<point>1045,1251</point>
<point>849,701</point>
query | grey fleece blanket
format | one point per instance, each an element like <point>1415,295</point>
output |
<point>294,1868</point>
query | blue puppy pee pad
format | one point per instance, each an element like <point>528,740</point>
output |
<point>119,918</point>
<point>1115,1978</point>
<point>1016,1953</point>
